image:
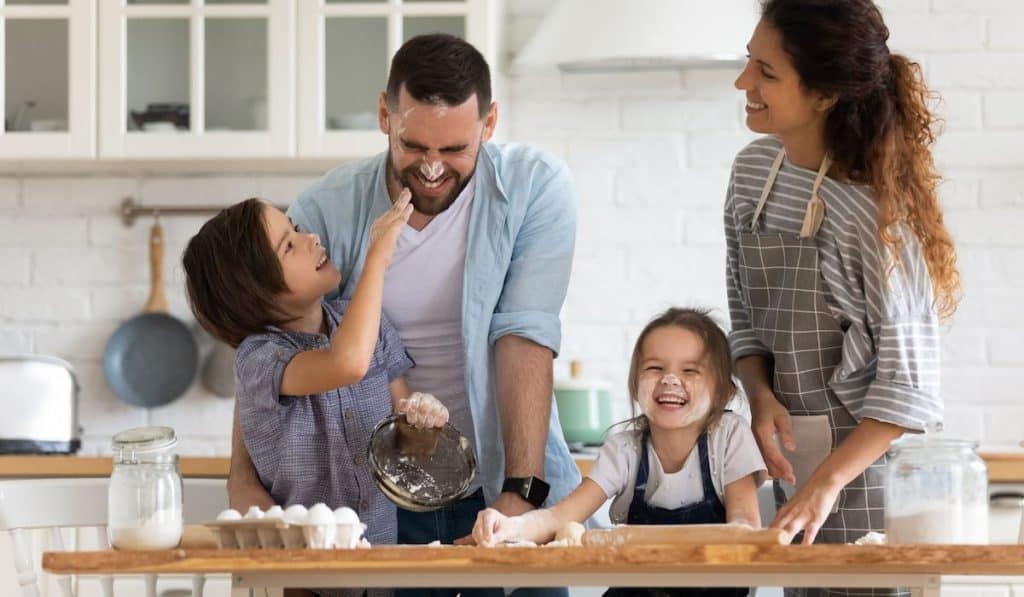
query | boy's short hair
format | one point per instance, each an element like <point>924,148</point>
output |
<point>233,276</point>
<point>440,69</point>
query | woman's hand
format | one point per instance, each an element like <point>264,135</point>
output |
<point>493,527</point>
<point>385,230</point>
<point>423,411</point>
<point>768,417</point>
<point>807,510</point>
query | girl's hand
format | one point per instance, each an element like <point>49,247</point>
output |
<point>807,510</point>
<point>768,417</point>
<point>423,410</point>
<point>385,230</point>
<point>493,527</point>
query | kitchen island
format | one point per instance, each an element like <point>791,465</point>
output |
<point>916,566</point>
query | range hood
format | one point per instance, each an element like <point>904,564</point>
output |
<point>638,35</point>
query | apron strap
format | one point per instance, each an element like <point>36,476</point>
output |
<point>815,213</point>
<point>767,188</point>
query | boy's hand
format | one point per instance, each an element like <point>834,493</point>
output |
<point>385,230</point>
<point>423,410</point>
<point>493,527</point>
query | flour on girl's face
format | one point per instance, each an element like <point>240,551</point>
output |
<point>672,383</point>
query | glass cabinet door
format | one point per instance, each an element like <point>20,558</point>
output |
<point>345,50</point>
<point>48,81</point>
<point>197,78</point>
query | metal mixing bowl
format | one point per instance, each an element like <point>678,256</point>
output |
<point>420,469</point>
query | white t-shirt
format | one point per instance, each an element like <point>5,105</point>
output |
<point>732,455</point>
<point>423,298</point>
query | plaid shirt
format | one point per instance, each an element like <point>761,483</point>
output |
<point>310,449</point>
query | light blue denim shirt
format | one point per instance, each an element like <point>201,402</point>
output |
<point>518,257</point>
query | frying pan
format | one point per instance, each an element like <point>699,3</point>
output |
<point>152,358</point>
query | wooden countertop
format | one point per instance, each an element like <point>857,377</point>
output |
<point>873,559</point>
<point>1007,467</point>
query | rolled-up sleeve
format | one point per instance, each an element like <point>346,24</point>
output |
<point>743,341</point>
<point>538,275</point>
<point>901,331</point>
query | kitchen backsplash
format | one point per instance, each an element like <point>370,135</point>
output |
<point>651,155</point>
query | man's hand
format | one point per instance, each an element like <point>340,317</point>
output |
<point>423,411</point>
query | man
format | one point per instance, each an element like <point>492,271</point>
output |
<point>476,283</point>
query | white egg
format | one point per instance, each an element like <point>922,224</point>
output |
<point>254,512</point>
<point>345,515</point>
<point>295,514</point>
<point>274,512</point>
<point>320,514</point>
<point>229,514</point>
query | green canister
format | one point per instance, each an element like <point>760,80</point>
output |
<point>585,408</point>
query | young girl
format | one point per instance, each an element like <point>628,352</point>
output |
<point>683,460</point>
<point>314,376</point>
<point>839,264</point>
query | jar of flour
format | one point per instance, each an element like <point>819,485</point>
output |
<point>144,501</point>
<point>936,492</point>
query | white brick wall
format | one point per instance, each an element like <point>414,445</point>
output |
<point>650,152</point>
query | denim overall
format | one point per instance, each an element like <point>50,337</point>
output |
<point>709,509</point>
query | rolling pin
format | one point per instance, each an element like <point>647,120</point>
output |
<point>682,534</point>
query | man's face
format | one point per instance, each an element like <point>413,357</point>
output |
<point>433,147</point>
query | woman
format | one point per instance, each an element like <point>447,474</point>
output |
<point>839,264</point>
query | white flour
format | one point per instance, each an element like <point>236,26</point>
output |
<point>160,531</point>
<point>940,522</point>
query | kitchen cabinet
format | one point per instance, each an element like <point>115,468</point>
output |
<point>197,79</point>
<point>200,79</point>
<point>48,79</point>
<point>345,49</point>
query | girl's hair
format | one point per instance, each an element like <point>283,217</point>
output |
<point>880,130</point>
<point>717,360</point>
<point>233,276</point>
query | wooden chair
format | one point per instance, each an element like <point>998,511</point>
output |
<point>81,504</point>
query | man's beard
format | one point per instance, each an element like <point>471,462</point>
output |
<point>429,206</point>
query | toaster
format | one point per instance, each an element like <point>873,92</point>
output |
<point>39,399</point>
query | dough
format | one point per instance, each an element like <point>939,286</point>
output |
<point>571,534</point>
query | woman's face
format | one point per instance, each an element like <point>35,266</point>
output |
<point>777,102</point>
<point>308,273</point>
<point>673,384</point>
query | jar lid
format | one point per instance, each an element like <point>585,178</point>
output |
<point>145,439</point>
<point>931,441</point>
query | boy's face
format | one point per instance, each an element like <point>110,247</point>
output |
<point>673,384</point>
<point>433,147</point>
<point>308,272</point>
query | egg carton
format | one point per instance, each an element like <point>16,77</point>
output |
<point>262,533</point>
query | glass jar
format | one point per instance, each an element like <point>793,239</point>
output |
<point>144,501</point>
<point>936,492</point>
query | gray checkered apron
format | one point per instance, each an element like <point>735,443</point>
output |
<point>792,316</point>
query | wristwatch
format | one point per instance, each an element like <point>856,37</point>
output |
<point>531,489</point>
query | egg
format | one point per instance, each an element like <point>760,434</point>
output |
<point>345,515</point>
<point>274,512</point>
<point>254,512</point>
<point>229,514</point>
<point>295,514</point>
<point>320,514</point>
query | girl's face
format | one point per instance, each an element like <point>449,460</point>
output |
<point>308,273</point>
<point>777,103</point>
<point>673,384</point>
